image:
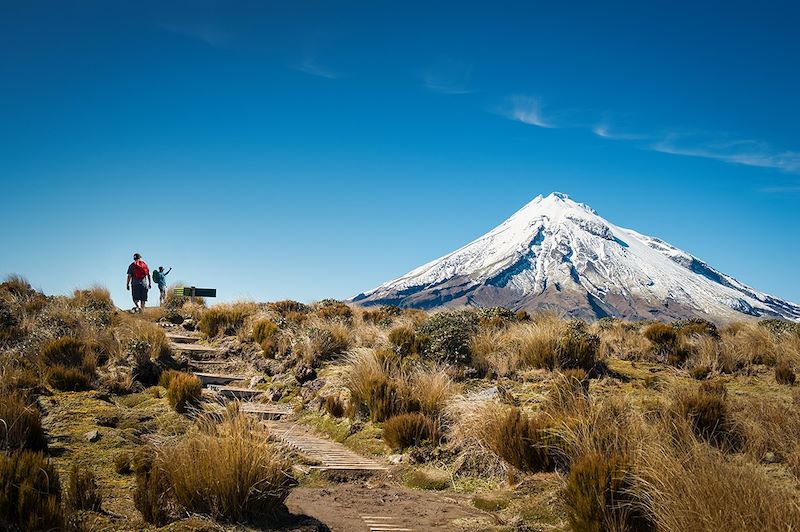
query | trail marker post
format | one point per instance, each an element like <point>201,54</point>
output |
<point>192,291</point>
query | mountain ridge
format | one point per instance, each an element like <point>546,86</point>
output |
<point>556,253</point>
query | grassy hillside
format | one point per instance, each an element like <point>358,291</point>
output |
<point>533,422</point>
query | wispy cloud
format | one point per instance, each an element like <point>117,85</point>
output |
<point>528,110</point>
<point>311,67</point>
<point>686,143</point>
<point>738,151</point>
<point>448,76</point>
<point>605,131</point>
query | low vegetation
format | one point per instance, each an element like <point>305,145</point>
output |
<point>543,422</point>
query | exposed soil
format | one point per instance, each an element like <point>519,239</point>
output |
<point>342,507</point>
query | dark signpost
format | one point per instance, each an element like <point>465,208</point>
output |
<point>192,291</point>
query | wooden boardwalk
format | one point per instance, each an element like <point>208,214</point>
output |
<point>217,378</point>
<point>330,455</point>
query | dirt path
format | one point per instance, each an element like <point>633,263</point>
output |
<point>351,507</point>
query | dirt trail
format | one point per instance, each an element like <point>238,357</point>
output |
<point>349,507</point>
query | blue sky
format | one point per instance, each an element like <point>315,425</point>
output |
<point>316,149</point>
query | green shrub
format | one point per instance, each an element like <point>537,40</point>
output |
<point>20,425</point>
<point>83,493</point>
<point>331,309</point>
<point>695,327</point>
<point>30,493</point>
<point>600,495</point>
<point>576,347</point>
<point>495,316</point>
<point>403,340</point>
<point>445,336</point>
<point>784,374</point>
<point>288,306</point>
<point>184,391</point>
<point>410,430</point>
<point>527,443</point>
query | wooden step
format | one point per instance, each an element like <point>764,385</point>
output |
<point>266,410</point>
<point>194,348</point>
<point>182,338</point>
<point>234,392</point>
<point>217,378</point>
<point>331,456</point>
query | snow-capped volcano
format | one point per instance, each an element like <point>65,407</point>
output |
<point>555,253</point>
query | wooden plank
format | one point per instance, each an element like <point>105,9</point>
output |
<point>194,348</point>
<point>217,378</point>
<point>181,338</point>
<point>235,392</point>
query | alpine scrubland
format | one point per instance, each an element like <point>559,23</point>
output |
<point>535,422</point>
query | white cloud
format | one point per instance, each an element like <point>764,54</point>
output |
<point>528,111</point>
<point>745,152</point>
<point>604,131</point>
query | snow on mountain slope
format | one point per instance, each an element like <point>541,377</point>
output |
<point>560,254</point>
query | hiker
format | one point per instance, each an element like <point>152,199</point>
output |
<point>160,278</point>
<point>139,279</point>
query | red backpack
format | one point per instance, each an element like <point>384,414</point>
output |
<point>140,270</point>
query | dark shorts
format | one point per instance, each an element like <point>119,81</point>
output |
<point>139,291</point>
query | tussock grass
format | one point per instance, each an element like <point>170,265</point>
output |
<point>226,319</point>
<point>20,425</point>
<point>184,391</point>
<point>82,492</point>
<point>601,495</point>
<point>410,430</point>
<point>699,489</point>
<point>227,470</point>
<point>31,496</point>
<point>528,443</point>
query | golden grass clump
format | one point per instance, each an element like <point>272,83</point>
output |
<point>784,374</point>
<point>528,443</point>
<point>69,364</point>
<point>184,391</point>
<point>265,332</point>
<point>410,430</point>
<point>31,496</point>
<point>700,489</point>
<point>82,492</point>
<point>706,410</point>
<point>403,340</point>
<point>225,319</point>
<point>432,387</point>
<point>378,388</point>
<point>770,427</point>
<point>334,406</point>
<point>324,341</point>
<point>228,471</point>
<point>20,425</point>
<point>601,495</point>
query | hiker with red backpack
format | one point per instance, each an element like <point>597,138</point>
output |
<point>139,280</point>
